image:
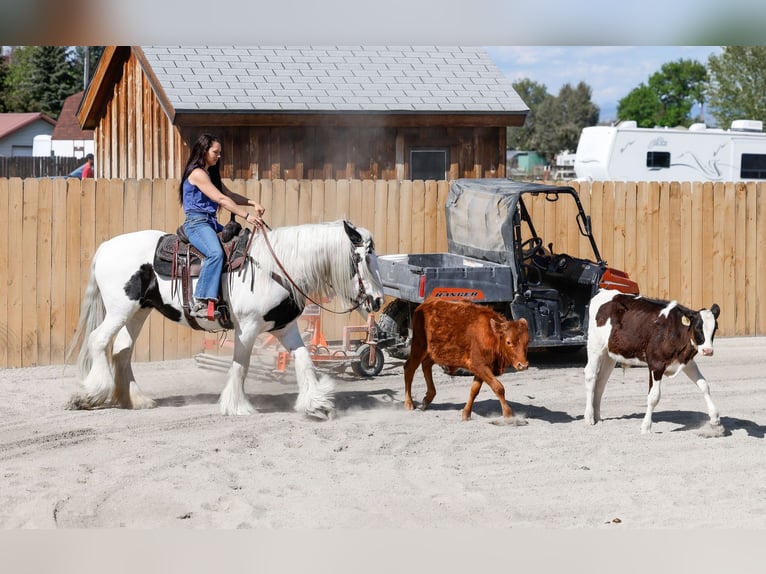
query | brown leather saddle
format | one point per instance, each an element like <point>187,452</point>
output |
<point>177,260</point>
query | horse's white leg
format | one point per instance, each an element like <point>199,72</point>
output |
<point>693,372</point>
<point>99,383</point>
<point>126,391</point>
<point>597,371</point>
<point>233,400</point>
<point>651,403</point>
<point>315,397</point>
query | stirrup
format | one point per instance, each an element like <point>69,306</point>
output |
<point>205,310</point>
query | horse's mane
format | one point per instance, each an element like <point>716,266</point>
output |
<point>318,257</point>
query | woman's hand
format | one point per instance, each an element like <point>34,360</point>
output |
<point>259,209</point>
<point>257,217</point>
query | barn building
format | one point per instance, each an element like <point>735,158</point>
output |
<point>297,112</point>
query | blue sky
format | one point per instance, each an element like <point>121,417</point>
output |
<point>611,71</point>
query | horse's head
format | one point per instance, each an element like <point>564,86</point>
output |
<point>365,267</point>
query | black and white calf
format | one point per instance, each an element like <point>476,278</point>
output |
<point>662,335</point>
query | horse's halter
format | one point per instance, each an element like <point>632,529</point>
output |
<point>362,297</point>
<point>355,262</point>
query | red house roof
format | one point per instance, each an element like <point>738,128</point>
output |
<point>68,126</point>
<point>12,122</point>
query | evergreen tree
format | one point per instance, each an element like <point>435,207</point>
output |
<point>53,78</point>
<point>93,54</point>
<point>39,79</point>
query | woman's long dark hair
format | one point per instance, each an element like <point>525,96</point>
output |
<point>197,159</point>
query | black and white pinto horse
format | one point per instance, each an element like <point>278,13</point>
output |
<point>333,259</point>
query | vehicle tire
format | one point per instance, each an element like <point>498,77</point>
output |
<point>395,322</point>
<point>362,367</point>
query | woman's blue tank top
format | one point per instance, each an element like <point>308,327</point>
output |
<point>197,202</point>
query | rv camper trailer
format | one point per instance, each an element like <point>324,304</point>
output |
<point>626,152</point>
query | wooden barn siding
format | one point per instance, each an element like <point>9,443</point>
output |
<point>135,138</point>
<point>315,152</point>
<point>697,243</point>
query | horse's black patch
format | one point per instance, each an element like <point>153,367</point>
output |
<point>353,234</point>
<point>283,314</point>
<point>142,287</point>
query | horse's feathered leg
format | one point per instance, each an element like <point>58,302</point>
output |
<point>99,384</point>
<point>233,400</point>
<point>127,394</point>
<point>315,397</point>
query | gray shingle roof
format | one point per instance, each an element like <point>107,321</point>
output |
<point>427,79</point>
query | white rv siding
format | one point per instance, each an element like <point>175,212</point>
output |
<point>626,153</point>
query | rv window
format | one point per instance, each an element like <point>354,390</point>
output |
<point>753,166</point>
<point>657,159</point>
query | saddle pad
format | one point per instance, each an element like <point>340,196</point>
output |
<point>234,253</point>
<point>165,251</point>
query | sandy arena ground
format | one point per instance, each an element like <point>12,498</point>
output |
<point>375,465</point>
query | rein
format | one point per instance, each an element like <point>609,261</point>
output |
<point>294,284</point>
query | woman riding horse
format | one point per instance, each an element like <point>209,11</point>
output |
<point>201,193</point>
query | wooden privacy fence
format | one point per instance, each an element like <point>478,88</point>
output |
<point>33,166</point>
<point>697,243</point>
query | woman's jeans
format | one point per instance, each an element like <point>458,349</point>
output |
<point>201,230</point>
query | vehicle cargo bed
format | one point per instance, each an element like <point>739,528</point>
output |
<point>413,277</point>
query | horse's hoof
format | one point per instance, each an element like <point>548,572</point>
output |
<point>144,404</point>
<point>239,411</point>
<point>713,430</point>
<point>79,403</point>
<point>321,414</point>
<point>514,421</point>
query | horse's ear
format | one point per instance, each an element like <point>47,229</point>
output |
<point>352,233</point>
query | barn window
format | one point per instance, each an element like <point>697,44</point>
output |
<point>657,159</point>
<point>428,163</point>
<point>753,166</point>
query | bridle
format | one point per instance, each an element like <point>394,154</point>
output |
<point>362,291</point>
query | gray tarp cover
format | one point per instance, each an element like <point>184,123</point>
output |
<point>479,216</point>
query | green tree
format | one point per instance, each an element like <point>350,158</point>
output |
<point>53,77</point>
<point>642,105</point>
<point>18,84</point>
<point>532,94</point>
<point>738,84</point>
<point>668,98</point>
<point>79,54</point>
<point>679,85</point>
<point>40,78</point>
<point>575,111</point>
<point>554,123</point>
<point>4,70</point>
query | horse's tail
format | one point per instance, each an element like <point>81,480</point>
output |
<point>92,313</point>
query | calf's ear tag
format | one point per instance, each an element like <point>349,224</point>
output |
<point>685,321</point>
